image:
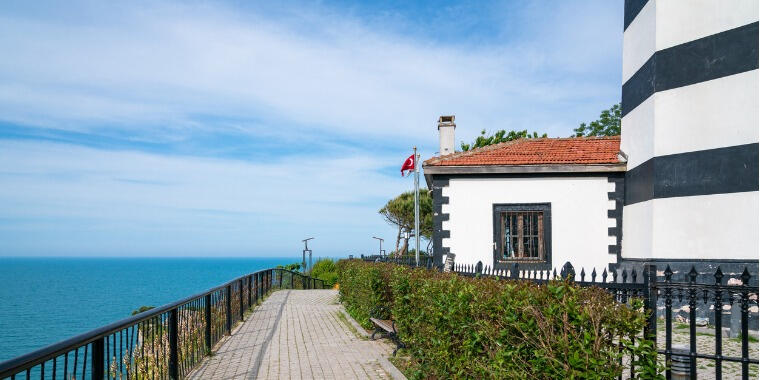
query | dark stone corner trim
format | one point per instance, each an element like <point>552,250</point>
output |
<point>617,213</point>
<point>438,183</point>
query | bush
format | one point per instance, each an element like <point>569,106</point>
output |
<point>459,327</point>
<point>295,267</point>
<point>325,270</point>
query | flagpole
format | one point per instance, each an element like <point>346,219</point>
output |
<point>417,206</point>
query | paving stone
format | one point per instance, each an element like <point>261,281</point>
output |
<point>295,334</point>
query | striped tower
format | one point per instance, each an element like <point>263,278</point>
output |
<point>690,130</point>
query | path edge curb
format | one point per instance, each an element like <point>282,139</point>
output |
<point>394,372</point>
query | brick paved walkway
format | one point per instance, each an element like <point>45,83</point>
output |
<point>296,334</point>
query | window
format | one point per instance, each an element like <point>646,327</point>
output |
<point>522,234</point>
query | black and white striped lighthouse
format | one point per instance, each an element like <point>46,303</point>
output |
<point>690,131</point>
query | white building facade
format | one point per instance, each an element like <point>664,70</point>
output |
<point>536,202</point>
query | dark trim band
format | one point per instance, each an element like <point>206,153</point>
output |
<point>722,54</point>
<point>713,171</point>
<point>617,213</point>
<point>438,183</point>
<point>632,9</point>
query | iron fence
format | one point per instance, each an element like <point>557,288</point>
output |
<point>161,343</point>
<point>425,261</point>
<point>662,296</point>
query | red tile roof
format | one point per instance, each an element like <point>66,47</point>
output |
<point>538,151</point>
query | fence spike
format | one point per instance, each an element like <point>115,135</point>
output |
<point>583,274</point>
<point>604,276</point>
<point>668,274</point>
<point>554,274</point>
<point>693,274</point>
<point>614,275</point>
<point>593,275</point>
<point>745,276</point>
<point>718,276</point>
<point>625,276</point>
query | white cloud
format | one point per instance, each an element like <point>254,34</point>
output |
<point>163,64</point>
<point>106,199</point>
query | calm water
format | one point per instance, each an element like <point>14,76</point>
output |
<point>45,300</point>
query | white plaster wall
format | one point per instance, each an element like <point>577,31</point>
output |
<point>637,133</point>
<point>713,114</point>
<point>578,208</point>
<point>680,21</point>
<point>637,230</point>
<point>716,226</point>
<point>639,40</point>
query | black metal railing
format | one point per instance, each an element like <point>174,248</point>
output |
<point>425,261</point>
<point>161,343</point>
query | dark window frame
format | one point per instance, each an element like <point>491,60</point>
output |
<point>498,209</point>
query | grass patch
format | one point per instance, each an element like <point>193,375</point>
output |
<point>750,338</point>
<point>682,326</point>
<point>403,363</point>
<point>345,321</point>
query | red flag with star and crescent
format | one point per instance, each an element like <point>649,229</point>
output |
<point>408,165</point>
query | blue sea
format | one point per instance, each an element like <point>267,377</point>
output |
<point>45,300</point>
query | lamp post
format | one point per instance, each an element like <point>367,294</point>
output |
<point>381,252</point>
<point>303,256</point>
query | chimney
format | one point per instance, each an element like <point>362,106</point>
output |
<point>446,128</point>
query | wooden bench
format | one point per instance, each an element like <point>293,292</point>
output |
<point>388,327</point>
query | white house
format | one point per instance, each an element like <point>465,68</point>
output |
<point>537,202</point>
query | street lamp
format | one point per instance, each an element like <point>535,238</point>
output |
<point>303,256</point>
<point>382,253</point>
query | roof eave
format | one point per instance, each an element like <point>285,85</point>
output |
<point>521,169</point>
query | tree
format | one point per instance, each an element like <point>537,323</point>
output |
<point>498,137</point>
<point>399,212</point>
<point>607,125</point>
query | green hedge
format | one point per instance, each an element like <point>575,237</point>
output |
<point>325,270</point>
<point>458,327</point>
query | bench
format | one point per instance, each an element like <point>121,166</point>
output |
<point>386,326</point>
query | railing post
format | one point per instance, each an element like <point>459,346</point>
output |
<point>98,366</point>
<point>693,322</point>
<point>718,309</point>
<point>650,301</point>
<point>208,323</point>
<point>668,322</point>
<point>173,357</point>
<point>745,325</point>
<point>229,309</point>
<point>291,280</point>
<point>257,286</point>
<point>240,287</point>
<point>250,290</point>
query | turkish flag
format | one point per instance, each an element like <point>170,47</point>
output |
<point>408,165</point>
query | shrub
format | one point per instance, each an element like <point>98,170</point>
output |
<point>459,327</point>
<point>325,270</point>
<point>295,267</point>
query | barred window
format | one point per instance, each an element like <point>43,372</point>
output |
<point>522,233</point>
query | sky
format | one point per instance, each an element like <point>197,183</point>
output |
<point>239,128</point>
